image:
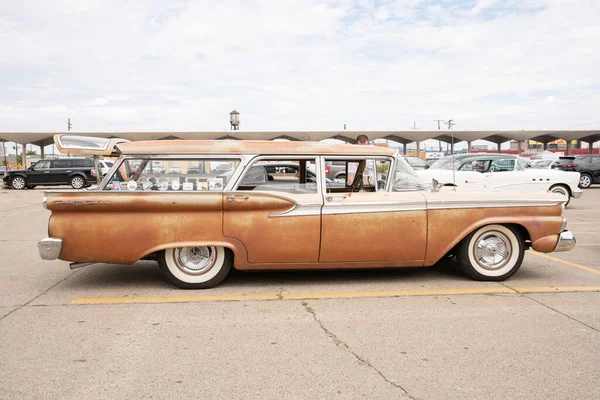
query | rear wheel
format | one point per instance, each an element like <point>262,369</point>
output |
<point>563,190</point>
<point>585,181</point>
<point>491,253</point>
<point>18,182</point>
<point>196,267</point>
<point>77,182</point>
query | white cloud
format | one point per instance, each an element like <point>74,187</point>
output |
<point>301,64</point>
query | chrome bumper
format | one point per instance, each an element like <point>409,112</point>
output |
<point>49,248</point>
<point>566,241</point>
<point>576,193</point>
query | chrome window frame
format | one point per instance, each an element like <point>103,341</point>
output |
<point>256,158</point>
<point>391,158</point>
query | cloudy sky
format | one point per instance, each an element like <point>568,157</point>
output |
<point>299,64</point>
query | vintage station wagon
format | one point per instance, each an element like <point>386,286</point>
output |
<point>258,205</point>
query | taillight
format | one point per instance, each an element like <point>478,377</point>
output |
<point>327,169</point>
<point>569,166</point>
<point>93,172</point>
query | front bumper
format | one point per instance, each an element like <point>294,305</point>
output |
<point>50,248</point>
<point>566,241</point>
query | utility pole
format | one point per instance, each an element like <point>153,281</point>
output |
<point>451,124</point>
<point>344,126</point>
<point>439,141</point>
<point>69,125</point>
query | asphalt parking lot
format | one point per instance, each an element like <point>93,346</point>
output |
<point>111,331</point>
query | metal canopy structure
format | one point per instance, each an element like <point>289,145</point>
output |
<point>404,137</point>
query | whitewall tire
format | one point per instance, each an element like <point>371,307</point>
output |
<point>561,189</point>
<point>491,253</point>
<point>196,267</point>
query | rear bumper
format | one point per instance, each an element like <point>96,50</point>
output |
<point>576,193</point>
<point>50,248</point>
<point>566,241</point>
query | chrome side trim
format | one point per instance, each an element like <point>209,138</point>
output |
<point>445,204</point>
<point>372,207</point>
<point>50,248</point>
<point>566,241</point>
<point>299,210</point>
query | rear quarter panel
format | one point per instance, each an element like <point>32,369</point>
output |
<point>123,227</point>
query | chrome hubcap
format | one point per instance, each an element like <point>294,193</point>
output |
<point>195,260</point>
<point>78,182</point>
<point>492,251</point>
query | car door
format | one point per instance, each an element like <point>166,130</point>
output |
<point>501,173</point>
<point>39,173</point>
<point>375,225</point>
<point>277,221</point>
<point>60,171</point>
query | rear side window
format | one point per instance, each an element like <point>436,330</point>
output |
<point>170,174</point>
<point>60,164</point>
<point>81,163</point>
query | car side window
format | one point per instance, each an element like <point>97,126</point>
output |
<point>502,165</point>
<point>42,165</point>
<point>60,164</point>
<point>169,174</point>
<point>595,160</point>
<point>368,175</point>
<point>476,165</point>
<point>279,175</point>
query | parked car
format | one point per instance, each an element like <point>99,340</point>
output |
<point>2,170</point>
<point>416,163</point>
<point>564,163</point>
<point>335,170</point>
<point>541,164</point>
<point>588,167</point>
<point>76,172</point>
<point>198,234</point>
<point>105,166</point>
<point>501,171</point>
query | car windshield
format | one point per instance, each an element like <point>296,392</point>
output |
<point>405,178</point>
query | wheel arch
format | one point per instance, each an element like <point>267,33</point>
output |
<point>238,252</point>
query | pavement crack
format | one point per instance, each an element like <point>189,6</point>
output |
<point>561,313</point>
<point>279,294</point>
<point>38,296</point>
<point>551,308</point>
<point>342,345</point>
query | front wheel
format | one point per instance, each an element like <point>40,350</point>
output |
<point>585,181</point>
<point>196,267</point>
<point>491,253</point>
<point>18,183</point>
<point>77,182</point>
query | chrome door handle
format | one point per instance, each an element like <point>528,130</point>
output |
<point>233,198</point>
<point>68,171</point>
<point>330,198</point>
<point>46,172</point>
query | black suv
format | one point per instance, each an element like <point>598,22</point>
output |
<point>564,163</point>
<point>64,171</point>
<point>589,168</point>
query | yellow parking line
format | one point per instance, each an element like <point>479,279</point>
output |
<point>572,264</point>
<point>337,295</point>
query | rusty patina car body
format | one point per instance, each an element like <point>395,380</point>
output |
<point>198,224</point>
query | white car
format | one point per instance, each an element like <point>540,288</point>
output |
<point>500,171</point>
